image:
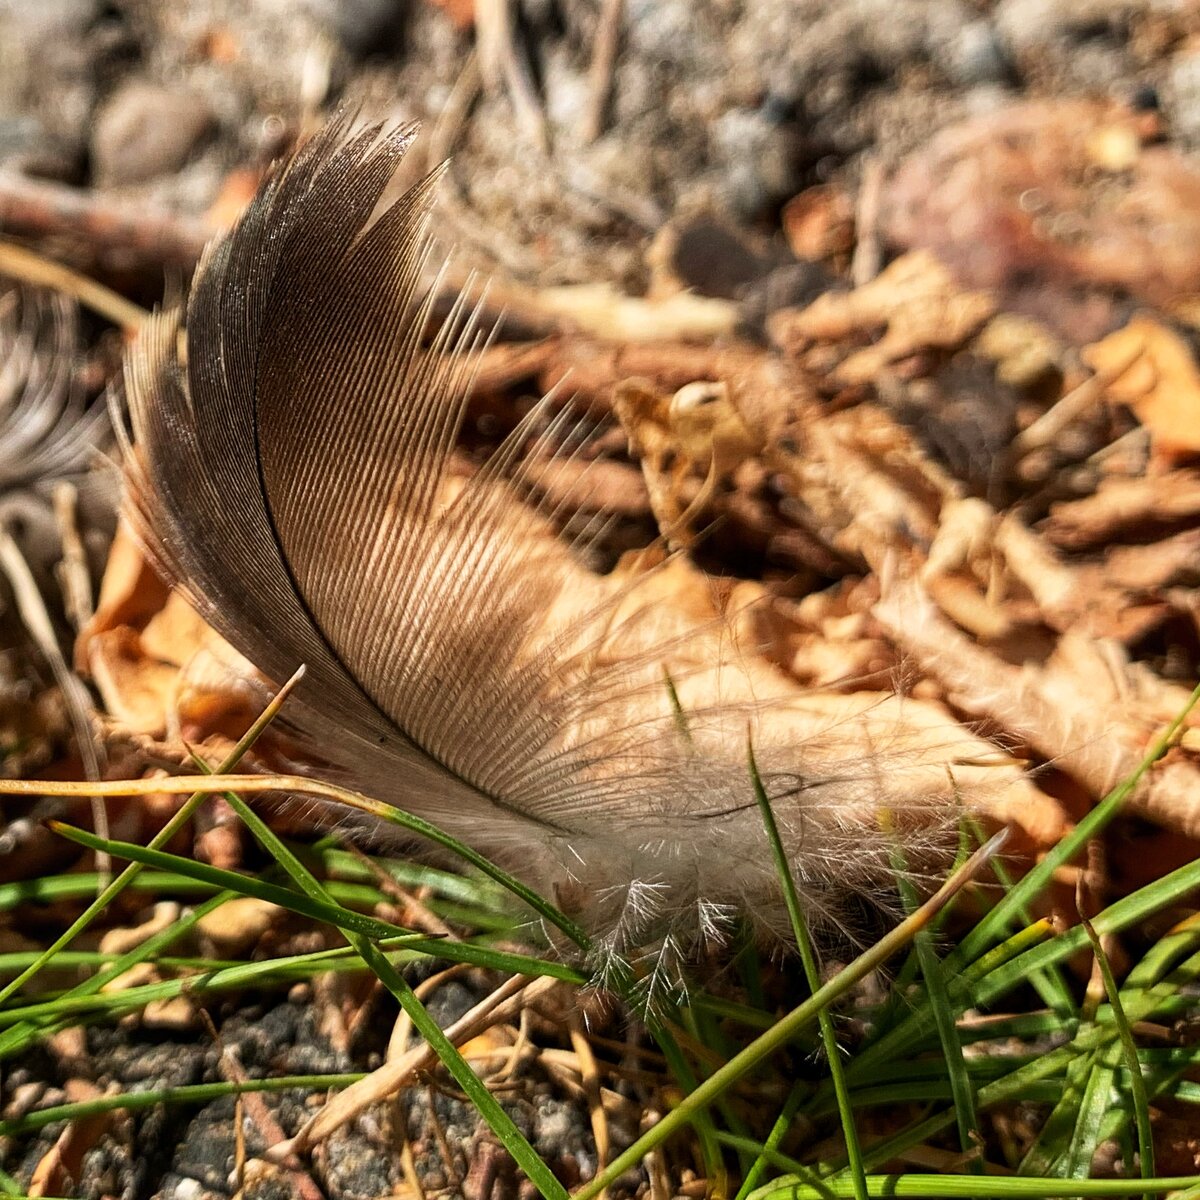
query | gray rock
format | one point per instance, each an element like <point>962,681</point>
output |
<point>1183,97</point>
<point>1033,26</point>
<point>143,131</point>
<point>974,56</point>
<point>759,157</point>
<point>48,65</point>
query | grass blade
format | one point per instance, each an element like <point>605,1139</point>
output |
<point>995,1187</point>
<point>164,835</point>
<point>811,973</point>
<point>784,1030</point>
<point>501,1124</point>
<point>1129,1050</point>
<point>961,1088</point>
<point>302,786</point>
<point>993,923</point>
<point>325,911</point>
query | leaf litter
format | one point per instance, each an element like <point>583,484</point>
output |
<point>957,501</point>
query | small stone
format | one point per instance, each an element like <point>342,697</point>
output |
<point>1183,92</point>
<point>176,1014</point>
<point>238,925</point>
<point>144,131</point>
<point>760,160</point>
<point>188,1189</point>
<point>1029,27</point>
<point>25,1098</point>
<point>974,56</point>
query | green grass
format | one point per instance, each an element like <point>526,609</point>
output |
<point>926,1068</point>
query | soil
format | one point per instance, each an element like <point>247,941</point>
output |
<point>722,108</point>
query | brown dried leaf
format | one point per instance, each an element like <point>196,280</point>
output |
<point>1085,708</point>
<point>819,222</point>
<point>915,301</point>
<point>1172,562</point>
<point>698,430</point>
<point>1040,195</point>
<point>59,1169</point>
<point>600,484</point>
<point>865,484</point>
<point>1152,370</point>
<point>134,689</point>
<point>1024,350</point>
<point>158,667</point>
<point>1123,507</point>
<point>130,593</point>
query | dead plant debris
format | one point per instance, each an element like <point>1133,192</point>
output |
<point>931,451</point>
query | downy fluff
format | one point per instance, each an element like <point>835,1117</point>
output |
<point>290,470</point>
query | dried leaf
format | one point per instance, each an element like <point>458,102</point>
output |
<point>1037,197</point>
<point>1081,709</point>
<point>1123,508</point>
<point>1160,381</point>
<point>915,301</point>
<point>819,222</point>
<point>697,431</point>
<point>58,1171</point>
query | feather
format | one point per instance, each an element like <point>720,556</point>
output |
<point>291,469</point>
<point>49,435</point>
<point>48,432</point>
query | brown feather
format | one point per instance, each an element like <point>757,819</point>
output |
<point>462,663</point>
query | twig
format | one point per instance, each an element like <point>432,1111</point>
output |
<point>439,1136</point>
<point>27,266</point>
<point>255,1107</point>
<point>600,75</point>
<point>501,1006</point>
<point>868,250</point>
<point>35,618</point>
<point>1069,409</point>
<point>117,234</point>
<point>499,60</point>
<point>590,1075</point>
<point>72,572</point>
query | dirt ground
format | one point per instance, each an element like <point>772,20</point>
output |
<point>563,171</point>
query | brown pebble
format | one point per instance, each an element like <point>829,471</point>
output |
<point>144,131</point>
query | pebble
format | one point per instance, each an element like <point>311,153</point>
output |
<point>364,27</point>
<point>974,56</point>
<point>1183,97</point>
<point>49,58</point>
<point>1034,26</point>
<point>143,131</point>
<point>759,157</point>
<point>187,1189</point>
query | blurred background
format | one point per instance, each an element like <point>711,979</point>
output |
<point>647,142</point>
